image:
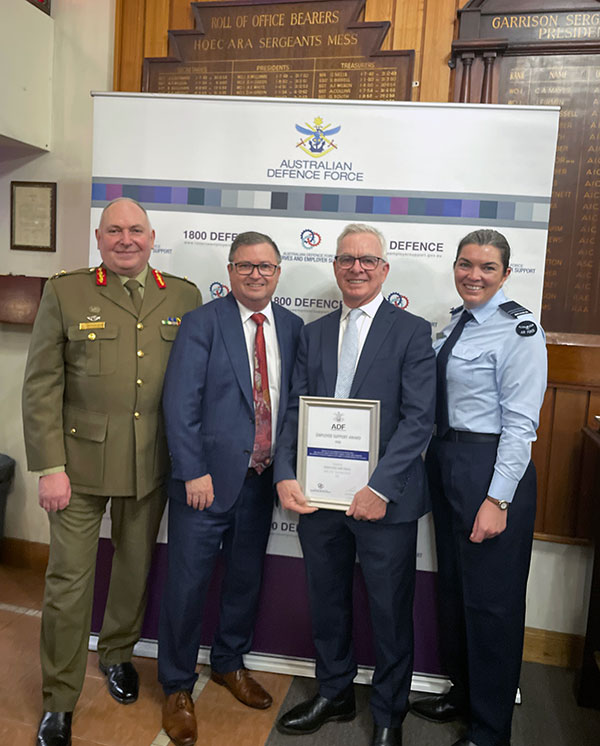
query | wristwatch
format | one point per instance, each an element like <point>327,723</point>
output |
<point>501,504</point>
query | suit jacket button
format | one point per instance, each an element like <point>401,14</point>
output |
<point>140,353</point>
<point>139,325</point>
<point>139,382</point>
<point>137,415</point>
<point>73,430</point>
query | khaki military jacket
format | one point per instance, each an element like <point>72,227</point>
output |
<point>94,376</point>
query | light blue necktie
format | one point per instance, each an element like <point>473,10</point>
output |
<point>348,356</point>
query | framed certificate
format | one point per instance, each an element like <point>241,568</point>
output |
<point>33,215</point>
<point>338,448</point>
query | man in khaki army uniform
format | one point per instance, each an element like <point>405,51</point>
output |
<point>93,430</point>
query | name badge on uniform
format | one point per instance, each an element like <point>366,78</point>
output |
<point>92,325</point>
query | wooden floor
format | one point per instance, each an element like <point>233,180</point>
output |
<point>549,715</point>
<point>99,720</point>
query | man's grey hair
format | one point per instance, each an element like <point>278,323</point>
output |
<point>125,199</point>
<point>353,228</point>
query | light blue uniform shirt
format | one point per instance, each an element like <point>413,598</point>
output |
<point>496,375</point>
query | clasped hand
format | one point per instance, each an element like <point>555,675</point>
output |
<point>490,521</point>
<point>199,492</point>
<point>54,491</point>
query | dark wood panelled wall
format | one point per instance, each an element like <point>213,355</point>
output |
<point>565,489</point>
<point>431,29</point>
<point>427,26</point>
<point>548,52</point>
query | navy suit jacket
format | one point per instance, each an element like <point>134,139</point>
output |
<point>207,397</point>
<point>396,366</point>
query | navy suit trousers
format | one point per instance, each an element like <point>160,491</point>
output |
<point>195,539</point>
<point>387,554</point>
<point>481,586</point>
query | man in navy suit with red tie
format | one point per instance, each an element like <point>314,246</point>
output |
<point>226,390</point>
<point>367,350</point>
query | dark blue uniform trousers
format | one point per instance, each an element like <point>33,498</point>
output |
<point>481,586</point>
<point>387,554</point>
<point>195,539</point>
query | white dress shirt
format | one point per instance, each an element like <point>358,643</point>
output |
<point>363,324</point>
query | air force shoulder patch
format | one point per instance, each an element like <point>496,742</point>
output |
<point>526,328</point>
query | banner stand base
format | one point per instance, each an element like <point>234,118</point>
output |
<point>421,682</point>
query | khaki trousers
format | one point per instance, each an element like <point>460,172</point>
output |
<point>68,596</point>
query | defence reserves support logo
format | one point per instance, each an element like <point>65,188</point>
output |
<point>400,301</point>
<point>310,239</point>
<point>218,290</point>
<point>318,140</point>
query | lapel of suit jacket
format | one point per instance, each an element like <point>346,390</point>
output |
<point>116,292</point>
<point>153,295</point>
<point>284,339</point>
<point>230,321</point>
<point>330,331</point>
<point>380,327</point>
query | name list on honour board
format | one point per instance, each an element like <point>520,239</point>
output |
<point>571,294</point>
<point>307,49</point>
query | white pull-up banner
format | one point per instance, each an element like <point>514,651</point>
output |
<point>208,168</point>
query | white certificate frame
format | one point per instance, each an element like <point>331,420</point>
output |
<point>321,452</point>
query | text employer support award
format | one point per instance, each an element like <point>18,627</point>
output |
<point>338,447</point>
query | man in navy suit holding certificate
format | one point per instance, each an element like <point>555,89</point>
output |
<point>367,350</point>
<point>226,391</point>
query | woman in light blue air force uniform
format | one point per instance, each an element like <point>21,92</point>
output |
<point>492,371</point>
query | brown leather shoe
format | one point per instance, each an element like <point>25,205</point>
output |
<point>243,687</point>
<point>179,719</point>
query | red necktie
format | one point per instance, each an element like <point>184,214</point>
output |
<point>261,453</point>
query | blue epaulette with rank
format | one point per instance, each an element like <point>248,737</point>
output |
<point>514,309</point>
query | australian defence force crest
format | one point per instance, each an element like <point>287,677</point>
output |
<point>317,139</point>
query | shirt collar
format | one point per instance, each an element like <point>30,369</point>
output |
<point>483,313</point>
<point>141,278</point>
<point>370,308</point>
<point>245,313</point>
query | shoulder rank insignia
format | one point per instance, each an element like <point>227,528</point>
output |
<point>514,309</point>
<point>159,279</point>
<point>101,278</point>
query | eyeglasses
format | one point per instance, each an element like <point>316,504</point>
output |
<point>368,263</point>
<point>265,269</point>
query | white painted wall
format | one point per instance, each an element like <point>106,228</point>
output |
<point>82,62</point>
<point>558,593</point>
<point>83,35</point>
<point>26,52</point>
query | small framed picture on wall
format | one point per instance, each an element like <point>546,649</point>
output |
<point>33,215</point>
